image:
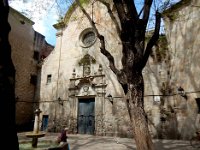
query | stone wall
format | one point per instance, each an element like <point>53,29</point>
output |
<point>65,58</point>
<point>25,48</point>
<point>169,67</point>
<point>21,39</point>
<point>183,31</point>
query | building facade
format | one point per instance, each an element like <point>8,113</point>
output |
<point>182,32</point>
<point>78,89</point>
<point>26,45</point>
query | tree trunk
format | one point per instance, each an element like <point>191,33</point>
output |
<point>131,30</point>
<point>7,83</point>
<point>137,114</point>
<point>140,129</point>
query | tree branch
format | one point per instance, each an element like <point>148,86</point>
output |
<point>108,55</point>
<point>153,39</point>
<point>140,12</point>
<point>102,41</point>
<point>131,9</point>
<point>121,76</point>
<point>112,16</point>
<point>147,7</point>
<point>120,10</point>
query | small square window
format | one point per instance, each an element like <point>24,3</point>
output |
<point>48,78</point>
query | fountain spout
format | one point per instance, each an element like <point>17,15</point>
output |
<point>36,133</point>
<point>37,121</point>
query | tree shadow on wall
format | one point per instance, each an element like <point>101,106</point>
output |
<point>168,126</point>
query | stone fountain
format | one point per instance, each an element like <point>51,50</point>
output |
<point>36,133</point>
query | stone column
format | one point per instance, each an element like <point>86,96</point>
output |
<point>37,121</point>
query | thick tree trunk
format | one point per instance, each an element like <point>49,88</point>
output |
<point>137,114</point>
<point>7,82</point>
<point>131,30</point>
<point>140,128</point>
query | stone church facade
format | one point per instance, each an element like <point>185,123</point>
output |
<point>78,89</point>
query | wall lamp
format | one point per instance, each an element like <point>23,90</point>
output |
<point>181,92</point>
<point>60,101</point>
<point>110,98</point>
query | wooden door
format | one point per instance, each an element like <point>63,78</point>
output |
<point>45,119</point>
<point>86,116</point>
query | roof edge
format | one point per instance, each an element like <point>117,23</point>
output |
<point>21,15</point>
<point>69,13</point>
<point>176,7</point>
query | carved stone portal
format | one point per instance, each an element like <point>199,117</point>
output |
<point>86,86</point>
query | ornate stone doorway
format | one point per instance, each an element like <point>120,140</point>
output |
<point>87,89</point>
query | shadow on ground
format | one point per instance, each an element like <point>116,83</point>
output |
<point>88,142</point>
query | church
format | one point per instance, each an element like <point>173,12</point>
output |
<point>78,90</point>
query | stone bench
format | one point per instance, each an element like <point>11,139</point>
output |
<point>64,146</point>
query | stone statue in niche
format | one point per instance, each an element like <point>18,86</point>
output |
<point>86,71</point>
<point>86,63</point>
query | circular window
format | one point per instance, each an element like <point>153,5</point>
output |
<point>87,38</point>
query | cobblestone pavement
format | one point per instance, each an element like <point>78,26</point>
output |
<point>89,142</point>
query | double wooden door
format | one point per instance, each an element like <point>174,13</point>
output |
<point>86,116</point>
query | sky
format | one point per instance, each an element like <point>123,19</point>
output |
<point>44,17</point>
<point>45,14</point>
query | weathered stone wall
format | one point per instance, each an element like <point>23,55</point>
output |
<point>21,39</point>
<point>170,114</point>
<point>110,119</point>
<point>24,41</point>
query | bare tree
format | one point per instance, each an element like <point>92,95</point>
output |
<point>7,81</point>
<point>131,29</point>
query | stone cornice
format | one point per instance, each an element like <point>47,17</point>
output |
<point>59,25</point>
<point>88,77</point>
